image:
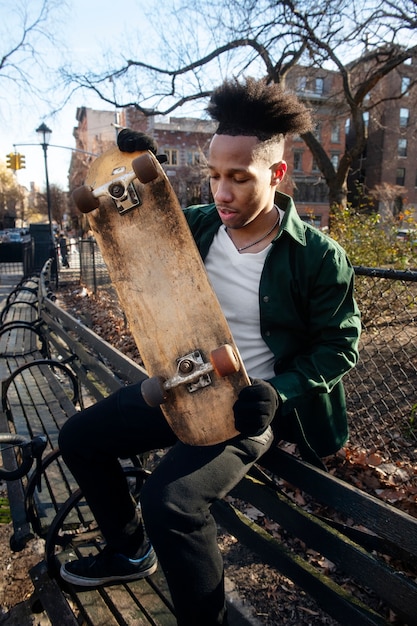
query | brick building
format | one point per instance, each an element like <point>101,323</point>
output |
<point>318,89</point>
<point>390,156</point>
<point>95,133</point>
<point>185,141</point>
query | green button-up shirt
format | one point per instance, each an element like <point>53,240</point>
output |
<point>310,321</point>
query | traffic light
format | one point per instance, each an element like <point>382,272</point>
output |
<point>11,161</point>
<point>15,161</point>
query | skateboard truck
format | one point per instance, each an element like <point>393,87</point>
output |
<point>120,189</point>
<point>192,371</point>
<point>123,192</point>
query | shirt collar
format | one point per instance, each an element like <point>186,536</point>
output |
<point>291,222</point>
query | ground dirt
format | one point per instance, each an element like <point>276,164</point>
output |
<point>272,598</point>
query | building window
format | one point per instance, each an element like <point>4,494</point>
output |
<point>298,160</point>
<point>335,135</point>
<point>194,194</point>
<point>301,83</point>
<point>402,147</point>
<point>404,117</point>
<point>334,158</point>
<point>314,220</point>
<point>193,158</point>
<point>317,131</point>
<point>319,85</point>
<point>365,117</point>
<point>400,180</point>
<point>315,167</point>
<point>310,192</point>
<point>405,84</point>
<point>172,156</point>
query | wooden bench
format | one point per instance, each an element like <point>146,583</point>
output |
<point>373,546</point>
<point>52,367</point>
<point>372,533</point>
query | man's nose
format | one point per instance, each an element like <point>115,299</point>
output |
<point>222,191</point>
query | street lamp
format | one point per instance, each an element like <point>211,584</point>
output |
<point>44,134</point>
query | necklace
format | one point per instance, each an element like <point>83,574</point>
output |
<point>261,238</point>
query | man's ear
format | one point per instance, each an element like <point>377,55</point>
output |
<point>278,172</point>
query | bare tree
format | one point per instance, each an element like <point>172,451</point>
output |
<point>27,29</point>
<point>59,204</point>
<point>388,197</point>
<point>11,198</point>
<point>362,41</point>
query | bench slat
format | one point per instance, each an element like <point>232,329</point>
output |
<point>399,592</point>
<point>330,596</point>
<point>390,523</point>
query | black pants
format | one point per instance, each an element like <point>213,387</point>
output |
<point>175,499</point>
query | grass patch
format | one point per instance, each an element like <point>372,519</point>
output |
<point>5,516</point>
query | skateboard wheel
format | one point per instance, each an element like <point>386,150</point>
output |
<point>84,199</point>
<point>224,361</point>
<point>145,168</point>
<point>153,391</point>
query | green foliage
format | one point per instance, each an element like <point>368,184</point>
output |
<point>371,243</point>
<point>5,516</point>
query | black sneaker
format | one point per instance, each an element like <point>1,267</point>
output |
<point>108,567</point>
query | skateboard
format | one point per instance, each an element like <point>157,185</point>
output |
<point>194,367</point>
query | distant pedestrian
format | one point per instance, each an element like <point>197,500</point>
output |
<point>63,247</point>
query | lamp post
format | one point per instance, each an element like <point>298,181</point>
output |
<point>44,134</point>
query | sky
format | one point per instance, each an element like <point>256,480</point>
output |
<point>88,28</point>
<point>92,34</point>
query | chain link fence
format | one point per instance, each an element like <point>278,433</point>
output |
<point>382,390</point>
<point>93,270</point>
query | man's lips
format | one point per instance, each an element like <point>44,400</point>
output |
<point>226,213</point>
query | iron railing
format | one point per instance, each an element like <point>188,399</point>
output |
<point>382,389</point>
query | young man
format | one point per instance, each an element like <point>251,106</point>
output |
<point>287,293</point>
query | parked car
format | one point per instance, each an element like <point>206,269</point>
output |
<point>17,235</point>
<point>408,234</point>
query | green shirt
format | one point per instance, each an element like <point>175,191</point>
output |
<point>310,321</point>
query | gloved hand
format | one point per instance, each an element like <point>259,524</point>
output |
<point>255,408</point>
<point>133,141</point>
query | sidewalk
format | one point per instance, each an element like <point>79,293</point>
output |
<point>7,283</point>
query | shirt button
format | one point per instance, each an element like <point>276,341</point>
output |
<point>267,333</point>
<point>265,298</point>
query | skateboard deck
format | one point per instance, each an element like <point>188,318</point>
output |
<point>173,313</point>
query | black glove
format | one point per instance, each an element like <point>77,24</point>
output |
<point>255,408</point>
<point>135,141</point>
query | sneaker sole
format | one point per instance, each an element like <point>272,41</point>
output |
<point>80,581</point>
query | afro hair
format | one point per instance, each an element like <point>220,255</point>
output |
<point>257,108</point>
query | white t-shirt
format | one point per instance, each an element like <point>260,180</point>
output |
<point>235,278</point>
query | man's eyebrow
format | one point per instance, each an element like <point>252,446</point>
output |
<point>230,170</point>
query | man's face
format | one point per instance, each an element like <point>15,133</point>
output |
<point>243,184</point>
